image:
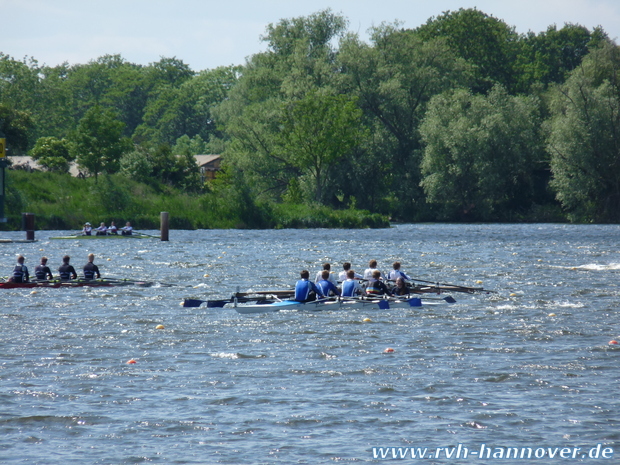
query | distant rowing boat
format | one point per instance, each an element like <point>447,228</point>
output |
<point>57,283</point>
<point>107,236</point>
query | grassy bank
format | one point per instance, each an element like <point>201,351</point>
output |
<point>61,202</point>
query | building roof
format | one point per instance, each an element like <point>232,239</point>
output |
<point>203,160</point>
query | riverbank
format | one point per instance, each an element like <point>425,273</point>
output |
<point>62,202</point>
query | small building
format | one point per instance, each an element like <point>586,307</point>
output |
<point>209,165</point>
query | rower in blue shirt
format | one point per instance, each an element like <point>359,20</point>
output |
<point>351,286</point>
<point>326,286</point>
<point>306,290</point>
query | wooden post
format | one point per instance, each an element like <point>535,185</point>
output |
<point>163,228</point>
<point>28,225</point>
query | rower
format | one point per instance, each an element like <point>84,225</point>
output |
<point>20,272</point>
<point>102,230</point>
<point>331,277</point>
<point>326,286</point>
<point>372,267</point>
<point>306,290</point>
<point>112,229</point>
<point>127,229</point>
<point>90,269</point>
<point>400,288</point>
<point>346,266</point>
<point>396,273</point>
<point>375,285</point>
<point>66,270</point>
<point>351,286</point>
<point>43,271</point>
<point>87,230</point>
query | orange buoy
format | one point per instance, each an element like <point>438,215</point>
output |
<point>389,350</point>
<point>613,342</point>
<point>131,362</point>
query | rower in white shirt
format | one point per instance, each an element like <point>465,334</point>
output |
<point>332,276</point>
<point>346,266</point>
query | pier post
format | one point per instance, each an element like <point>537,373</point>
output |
<point>28,225</point>
<point>163,228</point>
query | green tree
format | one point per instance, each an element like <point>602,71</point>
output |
<point>112,83</point>
<point>550,56</point>
<point>16,126</point>
<point>175,170</point>
<point>479,153</point>
<point>394,78</point>
<point>136,165</point>
<point>53,154</point>
<point>186,110</point>
<point>488,43</point>
<point>99,142</point>
<point>584,138</point>
<point>317,132</point>
<point>300,59</point>
<point>192,145</point>
<point>171,72</point>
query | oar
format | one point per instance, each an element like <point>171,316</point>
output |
<point>138,282</point>
<point>220,303</point>
<point>454,287</point>
<point>210,303</point>
<point>138,233</point>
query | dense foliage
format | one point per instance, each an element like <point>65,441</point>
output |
<point>459,119</point>
<point>60,201</point>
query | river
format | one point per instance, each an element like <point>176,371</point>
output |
<point>529,365</point>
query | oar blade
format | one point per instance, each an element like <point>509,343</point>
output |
<point>192,302</point>
<point>415,302</point>
<point>449,299</point>
<point>216,303</point>
<point>384,305</point>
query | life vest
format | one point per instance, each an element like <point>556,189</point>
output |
<point>40,271</point>
<point>18,274</point>
<point>65,271</point>
<point>89,271</point>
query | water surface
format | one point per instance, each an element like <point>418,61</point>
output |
<point>218,387</point>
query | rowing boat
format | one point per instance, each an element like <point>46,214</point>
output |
<point>56,283</point>
<point>266,304</point>
<point>274,301</point>
<point>107,236</point>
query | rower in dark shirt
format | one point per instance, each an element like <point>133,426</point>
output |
<point>43,271</point>
<point>20,272</point>
<point>67,271</point>
<point>91,271</point>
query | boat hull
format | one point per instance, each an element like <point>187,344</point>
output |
<point>340,304</point>
<point>72,283</point>
<point>108,236</point>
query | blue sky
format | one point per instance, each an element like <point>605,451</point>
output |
<point>206,34</point>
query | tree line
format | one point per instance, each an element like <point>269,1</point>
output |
<point>459,119</point>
